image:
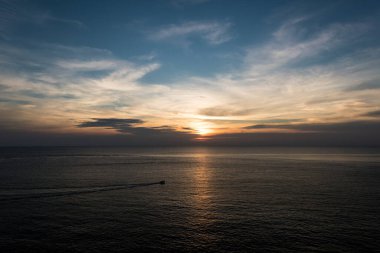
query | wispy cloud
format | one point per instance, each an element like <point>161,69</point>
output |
<point>212,32</point>
<point>47,17</point>
<point>225,111</point>
<point>15,13</point>
<point>367,85</point>
<point>46,82</point>
<point>7,12</point>
<point>77,65</point>
<point>336,127</point>
<point>287,49</point>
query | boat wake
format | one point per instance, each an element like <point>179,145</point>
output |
<point>58,192</point>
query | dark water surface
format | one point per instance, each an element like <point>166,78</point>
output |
<point>214,200</point>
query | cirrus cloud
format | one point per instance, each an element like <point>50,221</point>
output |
<point>212,32</point>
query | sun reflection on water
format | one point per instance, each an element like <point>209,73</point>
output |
<point>201,178</point>
<point>203,214</point>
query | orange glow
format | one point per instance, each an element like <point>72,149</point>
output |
<point>203,131</point>
<point>202,128</point>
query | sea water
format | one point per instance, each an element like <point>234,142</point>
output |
<point>214,200</point>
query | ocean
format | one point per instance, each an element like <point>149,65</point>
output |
<point>213,200</point>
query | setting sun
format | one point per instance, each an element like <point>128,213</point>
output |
<point>202,128</point>
<point>203,131</point>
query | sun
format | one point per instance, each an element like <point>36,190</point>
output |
<point>202,128</point>
<point>203,131</point>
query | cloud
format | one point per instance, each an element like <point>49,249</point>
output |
<point>372,114</point>
<point>17,13</point>
<point>355,133</point>
<point>8,16</point>
<point>118,124</point>
<point>336,127</point>
<point>89,65</point>
<point>288,49</point>
<point>276,120</point>
<point>305,139</point>
<point>212,32</point>
<point>47,17</point>
<point>224,111</point>
<point>13,101</point>
<point>367,85</point>
<point>156,135</point>
<point>68,65</point>
<point>128,126</point>
<point>58,83</point>
<point>38,138</point>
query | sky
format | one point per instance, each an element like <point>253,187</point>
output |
<point>190,72</point>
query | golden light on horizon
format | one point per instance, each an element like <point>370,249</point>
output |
<point>203,131</point>
<point>202,128</point>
